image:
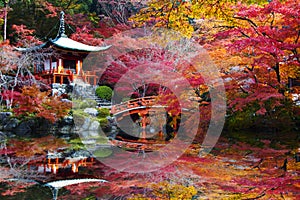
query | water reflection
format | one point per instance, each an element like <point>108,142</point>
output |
<point>52,165</point>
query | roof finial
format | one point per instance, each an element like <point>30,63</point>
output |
<point>61,31</point>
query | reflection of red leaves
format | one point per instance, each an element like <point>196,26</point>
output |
<point>23,148</point>
<point>15,188</point>
<point>12,192</point>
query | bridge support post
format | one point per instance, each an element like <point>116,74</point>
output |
<point>144,125</point>
<point>144,122</point>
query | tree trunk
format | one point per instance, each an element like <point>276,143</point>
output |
<point>277,70</point>
<point>5,19</point>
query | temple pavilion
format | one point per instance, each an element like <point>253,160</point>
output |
<point>66,65</point>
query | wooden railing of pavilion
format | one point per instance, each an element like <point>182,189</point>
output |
<point>67,76</point>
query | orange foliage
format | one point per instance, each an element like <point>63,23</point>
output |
<point>31,102</point>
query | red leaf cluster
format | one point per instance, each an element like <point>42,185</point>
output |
<point>31,102</point>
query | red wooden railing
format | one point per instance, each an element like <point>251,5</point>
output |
<point>134,104</point>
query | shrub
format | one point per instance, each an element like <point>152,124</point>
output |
<point>103,113</point>
<point>104,92</point>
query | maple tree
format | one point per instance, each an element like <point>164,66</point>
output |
<point>265,46</point>
<point>138,73</point>
<point>31,102</point>
<point>34,13</point>
<point>118,11</point>
<point>16,67</point>
<point>182,16</point>
<point>269,35</point>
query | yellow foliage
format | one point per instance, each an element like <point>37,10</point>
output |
<point>166,190</point>
<point>183,15</point>
<point>168,14</point>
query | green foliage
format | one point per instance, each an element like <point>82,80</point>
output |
<point>125,99</point>
<point>104,92</point>
<point>102,153</point>
<point>240,120</point>
<point>79,117</point>
<point>276,118</point>
<point>102,118</point>
<point>82,104</point>
<point>101,140</point>
<point>247,137</point>
<point>103,123</point>
<point>103,113</point>
<point>34,15</point>
<point>90,198</point>
<point>76,144</point>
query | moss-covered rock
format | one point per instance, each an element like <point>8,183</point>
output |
<point>85,103</point>
<point>79,117</point>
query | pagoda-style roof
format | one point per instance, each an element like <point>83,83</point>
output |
<point>63,42</point>
<point>69,44</point>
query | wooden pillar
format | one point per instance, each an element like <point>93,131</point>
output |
<point>78,67</point>
<point>60,62</point>
<point>160,135</point>
<point>51,70</point>
<point>144,125</point>
<point>144,122</point>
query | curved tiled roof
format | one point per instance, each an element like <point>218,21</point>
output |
<point>67,43</point>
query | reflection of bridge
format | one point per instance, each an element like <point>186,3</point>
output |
<point>56,185</point>
<point>141,107</point>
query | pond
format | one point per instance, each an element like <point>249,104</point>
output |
<point>227,172</point>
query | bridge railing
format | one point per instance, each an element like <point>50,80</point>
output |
<point>134,103</point>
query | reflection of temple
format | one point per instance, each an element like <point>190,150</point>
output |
<point>66,65</point>
<point>52,165</point>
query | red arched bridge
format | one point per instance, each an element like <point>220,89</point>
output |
<point>141,106</point>
<point>134,106</point>
<point>143,109</point>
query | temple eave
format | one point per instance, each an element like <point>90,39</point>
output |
<point>67,43</point>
